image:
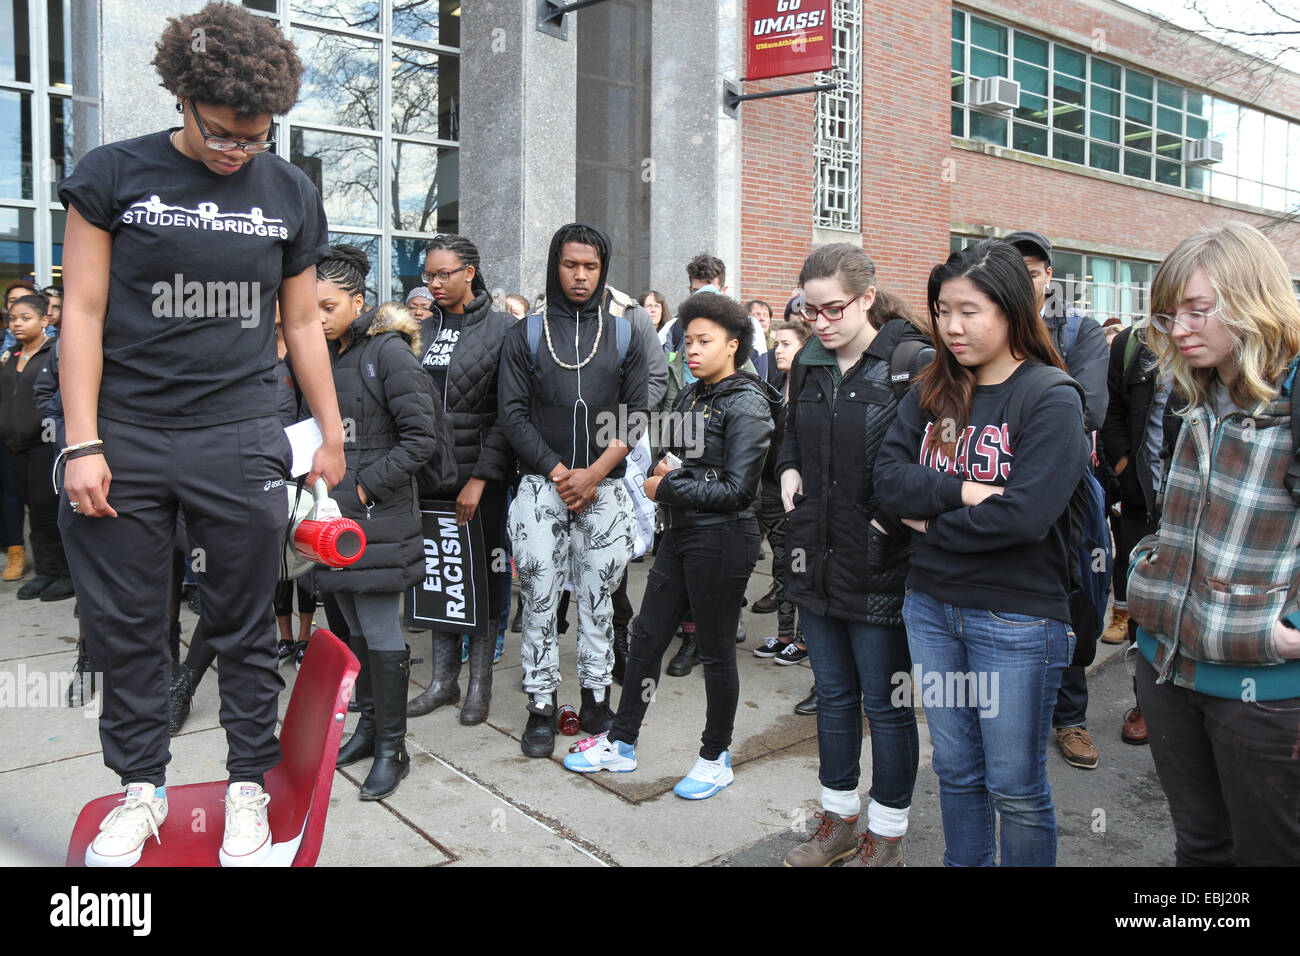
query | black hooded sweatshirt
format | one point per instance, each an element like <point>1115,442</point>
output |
<point>555,414</point>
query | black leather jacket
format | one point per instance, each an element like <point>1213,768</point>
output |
<point>721,433</point>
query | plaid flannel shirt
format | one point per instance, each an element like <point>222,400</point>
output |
<point>1224,566</point>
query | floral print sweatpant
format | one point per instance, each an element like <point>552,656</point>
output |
<point>552,546</point>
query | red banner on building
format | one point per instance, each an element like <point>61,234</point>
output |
<point>788,36</point>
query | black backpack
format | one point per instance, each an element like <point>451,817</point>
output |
<point>1089,541</point>
<point>1292,479</point>
<point>907,360</point>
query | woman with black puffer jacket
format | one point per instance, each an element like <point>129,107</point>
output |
<point>462,349</point>
<point>388,417</point>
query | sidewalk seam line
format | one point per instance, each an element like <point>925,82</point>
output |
<point>548,824</point>
<point>451,857</point>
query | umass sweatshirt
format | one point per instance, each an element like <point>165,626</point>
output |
<point>1008,553</point>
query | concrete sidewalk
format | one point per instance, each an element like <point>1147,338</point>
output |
<point>473,799</point>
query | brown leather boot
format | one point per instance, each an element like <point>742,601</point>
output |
<point>1134,730</point>
<point>17,565</point>
<point>833,839</point>
<point>1077,747</point>
<point>1117,633</point>
<point>875,850</point>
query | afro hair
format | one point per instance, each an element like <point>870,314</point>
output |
<point>725,312</point>
<point>225,55</point>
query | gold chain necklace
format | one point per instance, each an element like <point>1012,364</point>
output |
<point>600,327</point>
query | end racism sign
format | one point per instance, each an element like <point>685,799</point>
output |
<point>788,36</point>
<point>452,593</point>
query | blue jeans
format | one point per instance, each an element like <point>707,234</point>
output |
<point>854,666</point>
<point>988,681</point>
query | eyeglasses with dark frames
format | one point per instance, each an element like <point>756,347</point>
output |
<point>223,145</point>
<point>429,278</point>
<point>833,313</point>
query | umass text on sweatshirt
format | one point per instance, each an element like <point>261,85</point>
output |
<point>1008,553</point>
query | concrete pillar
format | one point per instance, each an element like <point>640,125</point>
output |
<point>518,87</point>
<point>694,204</point>
<point>133,103</point>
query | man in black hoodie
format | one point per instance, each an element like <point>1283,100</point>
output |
<point>563,392</point>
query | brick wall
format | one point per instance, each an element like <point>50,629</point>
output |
<point>918,187</point>
<point>1076,211</point>
<point>905,141</point>
<point>776,192</point>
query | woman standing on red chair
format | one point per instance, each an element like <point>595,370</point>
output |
<point>168,390</point>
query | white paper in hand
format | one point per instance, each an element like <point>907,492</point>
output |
<point>305,438</point>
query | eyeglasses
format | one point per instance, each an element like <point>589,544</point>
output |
<point>833,313</point>
<point>429,278</point>
<point>223,145</point>
<point>1191,321</point>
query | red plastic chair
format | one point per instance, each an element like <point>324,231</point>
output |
<point>299,785</point>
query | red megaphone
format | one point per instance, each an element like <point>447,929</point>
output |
<point>321,535</point>
<point>336,542</point>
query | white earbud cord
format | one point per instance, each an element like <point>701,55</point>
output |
<point>577,350</point>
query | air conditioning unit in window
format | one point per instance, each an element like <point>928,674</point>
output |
<point>1204,152</point>
<point>994,94</point>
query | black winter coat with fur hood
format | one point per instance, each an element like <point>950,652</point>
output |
<point>387,408</point>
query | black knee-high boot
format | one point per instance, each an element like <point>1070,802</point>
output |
<point>362,742</point>
<point>390,674</point>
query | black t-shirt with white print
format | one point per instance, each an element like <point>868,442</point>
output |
<point>437,355</point>
<point>197,261</point>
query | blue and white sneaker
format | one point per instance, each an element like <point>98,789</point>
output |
<point>601,753</point>
<point>706,778</point>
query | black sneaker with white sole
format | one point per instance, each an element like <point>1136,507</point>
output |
<point>792,653</point>
<point>770,647</point>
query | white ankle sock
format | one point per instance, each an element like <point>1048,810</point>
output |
<point>598,693</point>
<point>886,821</point>
<point>846,803</point>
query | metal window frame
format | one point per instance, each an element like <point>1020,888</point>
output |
<point>43,203</point>
<point>839,158</point>
<point>385,233</point>
<point>1154,155</point>
<point>1141,291</point>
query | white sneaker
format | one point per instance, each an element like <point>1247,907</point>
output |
<point>601,753</point>
<point>706,778</point>
<point>248,836</point>
<point>123,832</point>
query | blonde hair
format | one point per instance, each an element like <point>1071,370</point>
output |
<point>1257,308</point>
